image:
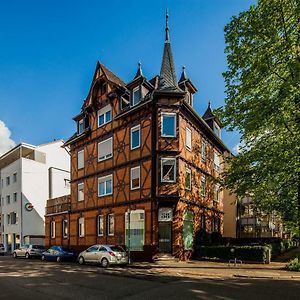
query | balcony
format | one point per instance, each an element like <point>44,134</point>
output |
<point>58,205</point>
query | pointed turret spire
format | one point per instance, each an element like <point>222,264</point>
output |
<point>139,71</point>
<point>183,76</point>
<point>167,27</point>
<point>208,114</point>
<point>167,79</point>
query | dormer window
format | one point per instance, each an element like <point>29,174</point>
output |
<point>136,96</point>
<point>81,126</point>
<point>190,99</point>
<point>217,130</point>
<point>104,115</point>
<point>124,103</point>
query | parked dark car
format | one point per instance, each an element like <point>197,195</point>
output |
<point>2,249</point>
<point>28,251</point>
<point>59,253</point>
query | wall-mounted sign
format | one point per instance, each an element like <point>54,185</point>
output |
<point>165,214</point>
<point>28,206</point>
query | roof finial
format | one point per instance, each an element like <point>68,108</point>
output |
<point>209,104</point>
<point>167,26</point>
<point>139,71</point>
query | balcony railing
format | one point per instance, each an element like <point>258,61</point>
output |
<point>58,205</point>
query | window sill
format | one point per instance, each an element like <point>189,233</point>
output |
<point>99,126</point>
<point>100,196</point>
<point>103,159</point>
<point>135,147</point>
<point>168,136</point>
<point>136,188</point>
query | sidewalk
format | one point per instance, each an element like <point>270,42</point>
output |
<point>274,270</point>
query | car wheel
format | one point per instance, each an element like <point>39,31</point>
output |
<point>58,259</point>
<point>14,255</point>
<point>27,255</point>
<point>81,260</point>
<point>104,263</point>
<point>43,257</point>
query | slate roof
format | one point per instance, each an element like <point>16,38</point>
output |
<point>167,80</point>
<point>208,114</point>
<point>112,77</point>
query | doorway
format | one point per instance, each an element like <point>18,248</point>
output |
<point>165,237</point>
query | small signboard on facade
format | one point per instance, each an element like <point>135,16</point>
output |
<point>28,206</point>
<point>165,214</point>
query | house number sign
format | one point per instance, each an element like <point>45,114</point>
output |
<point>165,214</point>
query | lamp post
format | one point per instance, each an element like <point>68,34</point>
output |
<point>128,218</point>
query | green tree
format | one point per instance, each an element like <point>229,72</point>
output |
<point>263,105</point>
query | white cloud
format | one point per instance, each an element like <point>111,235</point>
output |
<point>6,143</point>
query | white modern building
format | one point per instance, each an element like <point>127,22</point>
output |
<point>29,176</point>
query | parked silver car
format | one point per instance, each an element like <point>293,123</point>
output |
<point>104,254</point>
<point>28,251</point>
<point>2,249</point>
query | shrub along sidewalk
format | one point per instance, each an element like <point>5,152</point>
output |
<point>260,254</point>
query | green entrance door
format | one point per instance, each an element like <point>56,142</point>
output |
<point>165,237</point>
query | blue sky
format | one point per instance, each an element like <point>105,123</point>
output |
<point>49,49</point>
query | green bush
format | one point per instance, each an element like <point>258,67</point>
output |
<point>244,253</point>
<point>294,265</point>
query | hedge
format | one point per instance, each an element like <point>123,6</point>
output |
<point>244,253</point>
<point>294,265</point>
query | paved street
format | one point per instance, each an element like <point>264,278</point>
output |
<point>33,279</point>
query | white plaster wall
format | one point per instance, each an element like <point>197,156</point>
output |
<point>57,157</point>
<point>14,187</point>
<point>34,191</point>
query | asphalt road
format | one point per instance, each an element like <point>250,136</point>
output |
<point>33,279</point>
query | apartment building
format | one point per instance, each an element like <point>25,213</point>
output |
<point>145,166</point>
<point>29,175</point>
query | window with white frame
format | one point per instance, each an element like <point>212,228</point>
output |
<point>8,199</point>
<point>188,138</point>
<point>15,177</point>
<point>216,161</point>
<point>104,115</point>
<point>8,219</point>
<point>217,130</point>
<point>217,193</point>
<point>135,229</point>
<point>52,229</point>
<point>81,126</point>
<point>80,191</point>
<point>13,218</point>
<point>136,96</point>
<point>168,169</point>
<point>7,180</point>
<point>203,151</point>
<point>203,185</point>
<point>105,149</point>
<point>100,225</point>
<point>188,179</point>
<point>15,197</point>
<point>105,185</point>
<point>110,224</point>
<point>135,178</point>
<point>81,227</point>
<point>135,137</point>
<point>65,228</point>
<point>168,124</point>
<point>80,159</point>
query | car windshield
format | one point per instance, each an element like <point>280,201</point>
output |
<point>117,249</point>
<point>37,247</point>
<point>65,249</point>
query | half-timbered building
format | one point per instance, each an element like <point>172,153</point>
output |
<point>144,166</point>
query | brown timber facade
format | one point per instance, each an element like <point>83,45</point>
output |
<point>144,167</point>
